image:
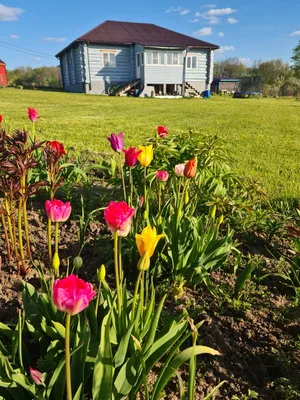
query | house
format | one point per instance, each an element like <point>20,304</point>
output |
<point>128,57</point>
<point>3,74</point>
<point>228,85</point>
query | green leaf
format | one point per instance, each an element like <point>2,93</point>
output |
<point>243,277</point>
<point>154,324</point>
<point>122,349</point>
<point>213,392</point>
<point>104,370</point>
<point>6,331</point>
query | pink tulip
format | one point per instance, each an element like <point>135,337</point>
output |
<point>179,169</point>
<point>32,114</point>
<point>131,156</point>
<point>57,211</point>
<point>71,294</point>
<point>118,217</point>
<point>116,141</point>
<point>162,131</point>
<point>162,176</point>
<point>36,376</point>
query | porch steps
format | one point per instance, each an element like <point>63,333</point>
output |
<point>191,90</point>
<point>122,88</point>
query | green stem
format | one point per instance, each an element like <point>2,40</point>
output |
<point>49,240</point>
<point>6,237</point>
<point>8,213</point>
<point>98,299</point>
<point>135,295</point>
<point>67,357</point>
<point>131,187</point>
<point>20,236</point>
<point>14,236</point>
<point>56,270</point>
<point>26,229</point>
<point>146,196</point>
<point>142,298</point>
<point>119,301</point>
<point>159,197</point>
<point>122,176</point>
<point>120,261</point>
<point>181,201</point>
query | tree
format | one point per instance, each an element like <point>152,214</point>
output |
<point>231,68</point>
<point>272,72</point>
<point>296,59</point>
<point>29,77</point>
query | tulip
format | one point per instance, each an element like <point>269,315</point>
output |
<point>116,141</point>
<point>179,169</point>
<point>101,272</point>
<point>36,376</point>
<point>58,211</point>
<point>72,294</point>
<point>162,176</point>
<point>32,114</point>
<point>118,217</point>
<point>57,147</point>
<point>162,131</point>
<point>146,155</point>
<point>131,156</point>
<point>1,118</point>
<point>190,168</point>
<point>147,241</point>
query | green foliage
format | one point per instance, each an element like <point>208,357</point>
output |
<point>34,77</point>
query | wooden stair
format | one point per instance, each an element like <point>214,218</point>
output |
<point>122,88</point>
<point>191,90</point>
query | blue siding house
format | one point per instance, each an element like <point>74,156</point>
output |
<point>126,57</point>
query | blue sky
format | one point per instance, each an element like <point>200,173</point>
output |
<point>247,29</point>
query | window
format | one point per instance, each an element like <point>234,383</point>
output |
<point>109,59</point>
<point>154,58</point>
<point>174,58</point>
<point>138,60</point>
<point>191,62</point>
<point>142,58</point>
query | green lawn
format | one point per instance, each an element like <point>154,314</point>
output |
<point>263,135</point>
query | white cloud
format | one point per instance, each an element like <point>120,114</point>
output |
<point>245,60</point>
<point>223,49</point>
<point>37,58</point>
<point>221,34</point>
<point>54,39</point>
<point>10,13</point>
<point>194,20</point>
<point>14,36</point>
<point>203,32</point>
<point>209,6</point>
<point>173,9</point>
<point>213,20</point>
<point>296,33</point>
<point>217,12</point>
<point>184,12</point>
<point>232,21</point>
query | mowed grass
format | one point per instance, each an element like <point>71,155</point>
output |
<point>262,135</point>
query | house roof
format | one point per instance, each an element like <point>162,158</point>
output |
<point>127,33</point>
<point>2,62</point>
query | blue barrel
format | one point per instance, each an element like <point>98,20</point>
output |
<point>206,94</point>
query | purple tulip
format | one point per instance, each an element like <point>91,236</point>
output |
<point>116,141</point>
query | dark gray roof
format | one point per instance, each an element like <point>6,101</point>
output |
<point>2,62</point>
<point>127,33</point>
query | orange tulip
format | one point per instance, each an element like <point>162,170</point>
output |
<point>190,168</point>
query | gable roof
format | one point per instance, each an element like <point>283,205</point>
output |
<point>127,33</point>
<point>2,62</point>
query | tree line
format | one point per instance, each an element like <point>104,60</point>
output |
<point>28,77</point>
<point>278,77</point>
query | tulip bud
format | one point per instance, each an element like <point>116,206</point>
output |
<point>145,214</point>
<point>137,344</point>
<point>144,262</point>
<point>221,219</point>
<point>78,262</point>
<point>213,211</point>
<point>55,262</point>
<point>186,197</point>
<point>101,272</point>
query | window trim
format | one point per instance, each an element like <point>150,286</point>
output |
<point>161,54</point>
<point>191,57</point>
<point>178,55</point>
<point>109,54</point>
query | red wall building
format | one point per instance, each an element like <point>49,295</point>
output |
<point>3,75</point>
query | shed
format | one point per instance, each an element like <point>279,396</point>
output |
<point>3,74</point>
<point>229,84</point>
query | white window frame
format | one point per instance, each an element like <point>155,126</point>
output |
<point>191,65</point>
<point>139,59</point>
<point>160,57</point>
<point>110,64</point>
<point>178,63</point>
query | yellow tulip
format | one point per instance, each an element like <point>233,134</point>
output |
<point>146,156</point>
<point>147,241</point>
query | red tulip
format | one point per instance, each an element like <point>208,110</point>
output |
<point>36,376</point>
<point>162,176</point>
<point>190,168</point>
<point>131,156</point>
<point>58,211</point>
<point>71,294</point>
<point>1,118</point>
<point>32,114</point>
<point>162,131</point>
<point>118,217</point>
<point>57,147</point>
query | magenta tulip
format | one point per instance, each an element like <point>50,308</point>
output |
<point>116,141</point>
<point>72,294</point>
<point>162,131</point>
<point>32,114</point>
<point>118,217</point>
<point>58,211</point>
<point>131,156</point>
<point>36,376</point>
<point>162,176</point>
